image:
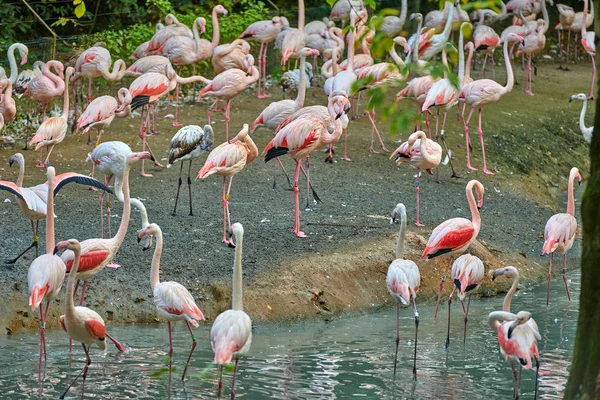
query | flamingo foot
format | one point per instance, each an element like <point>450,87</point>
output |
<point>112,265</point>
<point>264,96</point>
<point>329,160</point>
<point>300,234</point>
<point>419,224</point>
<point>177,124</point>
<point>486,171</point>
<point>40,165</point>
<point>229,243</point>
<point>591,97</point>
<point>145,175</point>
<point>470,167</point>
<point>372,150</point>
<point>529,92</point>
<point>345,158</point>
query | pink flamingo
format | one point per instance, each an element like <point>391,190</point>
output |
<point>309,129</point>
<point>577,26</point>
<point>486,41</point>
<point>423,153</point>
<point>231,333</point>
<point>230,55</point>
<point>26,76</point>
<point>431,45</point>
<point>467,274</point>
<point>295,38</point>
<point>173,28</point>
<point>263,32</point>
<point>142,50</point>
<point>53,130</point>
<point>341,9</point>
<point>229,84</point>
<point>97,253</point>
<point>101,112</point>
<point>81,323</point>
<point>517,334</point>
<point>403,281</point>
<point>566,17</point>
<point>482,92</point>
<point>559,234</point>
<point>534,42</point>
<point>45,87</point>
<point>587,132</point>
<point>95,62</point>
<point>14,69</point>
<point>227,160</point>
<point>392,25</point>
<point>173,301</point>
<point>588,41</point>
<point>454,235</point>
<point>8,108</point>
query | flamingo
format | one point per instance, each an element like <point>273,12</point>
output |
<point>486,41</point>
<point>295,38</point>
<point>263,32</point>
<point>45,87</point>
<point>534,42</point>
<point>230,55</point>
<point>95,62</point>
<point>142,50</point>
<point>229,84</point>
<point>467,275</point>
<point>517,334</point>
<point>8,108</point>
<point>403,281</point>
<point>173,28</point>
<point>341,9</point>
<point>14,69</point>
<point>586,132</point>
<point>188,143</point>
<point>33,200</point>
<point>47,272</point>
<point>481,92</point>
<point>310,128</point>
<point>173,301</point>
<point>97,253</point>
<point>53,130</point>
<point>392,25</point>
<point>423,153</point>
<point>432,45</point>
<point>577,25</point>
<point>588,41</point>
<point>566,16</point>
<point>26,76</point>
<point>455,235</point>
<point>101,112</point>
<point>227,160</point>
<point>559,234</point>
<point>231,333</point>
<point>81,323</point>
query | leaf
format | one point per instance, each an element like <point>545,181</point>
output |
<point>75,2</point>
<point>80,10</point>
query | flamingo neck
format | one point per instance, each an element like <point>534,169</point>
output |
<point>58,83</point>
<point>587,132</point>
<point>510,78</point>
<point>397,59</point>
<point>446,32</point>
<point>155,270</point>
<point>571,198</point>
<point>252,149</point>
<point>14,69</point>
<point>50,217</point>
<point>468,66</point>
<point>496,316</point>
<point>118,71</point>
<point>403,12</point>
<point>415,56</point>
<point>302,89</point>
<point>216,33</point>
<point>475,217</point>
<point>120,236</point>
<point>510,294</point>
<point>423,148</point>
<point>547,18</point>
<point>8,93</point>
<point>401,235</point>
<point>301,15</point>
<point>21,163</point>
<point>70,308</point>
<point>351,44</point>
<point>237,297</point>
<point>65,114</point>
<point>583,25</point>
<point>461,59</point>
<point>196,37</point>
<point>445,62</point>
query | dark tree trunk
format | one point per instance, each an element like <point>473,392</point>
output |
<point>584,378</point>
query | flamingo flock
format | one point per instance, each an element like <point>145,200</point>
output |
<point>299,131</point>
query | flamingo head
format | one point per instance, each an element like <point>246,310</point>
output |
<point>417,16</point>
<point>522,318</point>
<point>249,61</point>
<point>399,212</point>
<point>307,52</point>
<point>580,96</point>
<point>71,244</point>
<point>201,21</point>
<point>516,37</point>
<point>126,95</point>
<point>509,271</point>
<point>149,231</point>
<point>207,138</point>
<point>470,46</point>
<point>135,157</point>
<point>284,21</point>
<point>401,41</point>
<point>574,174</point>
<point>18,158</point>
<point>219,9</point>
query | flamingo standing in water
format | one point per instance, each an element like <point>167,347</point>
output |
<point>467,275</point>
<point>588,41</point>
<point>47,86</point>
<point>101,112</point>
<point>227,160</point>
<point>263,32</point>
<point>455,235</point>
<point>231,333</point>
<point>403,281</point>
<point>173,301</point>
<point>517,334</point>
<point>585,131</point>
<point>423,153</point>
<point>482,92</point>
<point>229,84</point>
<point>559,234</point>
<point>188,143</point>
<point>53,130</point>
<point>81,323</point>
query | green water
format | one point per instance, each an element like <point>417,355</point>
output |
<point>345,358</point>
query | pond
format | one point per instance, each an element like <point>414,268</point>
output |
<point>341,358</point>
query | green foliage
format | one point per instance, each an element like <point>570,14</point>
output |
<point>122,43</point>
<point>80,9</point>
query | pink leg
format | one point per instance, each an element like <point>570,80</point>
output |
<point>102,214</point>
<point>568,44</point>
<point>143,134</point>
<point>417,223</point>
<point>375,130</point>
<point>42,338</point>
<point>89,91</point>
<point>264,61</point>
<point>227,117</point>
<point>82,297</point>
<point>591,95</point>
<point>428,124</point>
<point>224,201</point>
<point>175,122</point>
<point>47,162</point>
<point>466,126</point>
<point>576,49</point>
<point>118,345</point>
<point>40,163</point>
<point>564,274</point>
<point>170,348</point>
<point>261,74</point>
<point>191,351</point>
<point>480,131</point>
<point>233,381</point>
<point>297,231</point>
<point>231,244</point>
<point>549,279</point>
<point>346,158</point>
<point>483,66</point>
<point>442,286</point>
<point>44,112</point>
<point>528,86</point>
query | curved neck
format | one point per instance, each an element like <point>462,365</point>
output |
<point>216,33</point>
<point>253,77</point>
<point>415,57</point>
<point>155,270</point>
<point>473,207</point>
<point>587,132</point>
<point>21,172</point>
<point>403,12</point>
<point>510,78</point>
<point>571,195</point>
<point>142,209</point>
<point>14,72</point>
<point>70,309</point>
<point>496,316</point>
<point>445,62</point>
<point>237,297</point>
<point>334,59</point>
<point>52,76</point>
<point>50,217</point>
<point>423,148</point>
<point>302,88</point>
<point>446,32</point>
<point>196,37</point>
<point>397,59</point>
<point>468,67</point>
<point>545,15</point>
<point>583,25</point>
<point>118,238</point>
<point>401,235</point>
<point>252,149</point>
<point>510,294</point>
<point>301,15</point>
<point>192,79</point>
<point>351,38</point>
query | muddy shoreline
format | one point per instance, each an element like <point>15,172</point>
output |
<point>340,267</point>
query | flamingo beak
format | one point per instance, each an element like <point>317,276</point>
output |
<point>497,273</point>
<point>511,328</point>
<point>56,249</point>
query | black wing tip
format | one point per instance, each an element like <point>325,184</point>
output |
<point>83,180</point>
<point>438,253</point>
<point>275,152</point>
<point>139,101</point>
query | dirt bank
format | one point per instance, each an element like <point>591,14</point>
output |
<point>531,142</point>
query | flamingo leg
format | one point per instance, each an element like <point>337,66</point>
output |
<point>568,45</point>
<point>297,230</point>
<point>549,279</point>
<point>397,336</point>
<point>108,214</point>
<point>286,175</point>
<point>82,296</point>
<point>576,49</point>
<point>591,95</point>
<point>143,133</point>
<point>42,341</point>
<point>537,373</point>
<point>306,164</point>
<point>118,345</point>
<point>220,386</point>
<point>224,201</point>
<point>442,286</point>
<point>417,190</point>
<point>564,274</point>
<point>483,66</point>
<point>170,347</point>
<point>480,131</point>
<point>264,60</point>
<point>448,152</point>
<point>89,96</point>
<point>515,382</point>
<point>227,117</point>
<point>449,307</point>
<point>260,75</point>
<point>493,66</point>
<point>82,373</point>
<point>346,158</point>
<point>178,187</point>
<point>437,119</point>
<point>233,381</point>
<point>175,122</point>
<point>466,319</point>
<point>468,144</point>
<point>528,86</point>
<point>314,192</point>
<point>191,351</point>
<point>189,182</point>
<point>416,336</point>
<point>375,130</point>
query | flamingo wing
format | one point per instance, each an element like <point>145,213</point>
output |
<point>17,191</point>
<point>95,328</point>
<point>61,180</point>
<point>230,333</point>
<point>449,236</point>
<point>174,298</point>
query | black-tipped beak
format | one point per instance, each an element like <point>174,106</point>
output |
<point>570,99</point>
<point>495,275</point>
<point>339,116</point>
<point>55,250</point>
<point>511,328</point>
<point>205,146</point>
<point>478,208</point>
<point>347,109</point>
<point>152,158</point>
<point>579,183</point>
<point>145,248</point>
<point>10,163</point>
<point>139,239</point>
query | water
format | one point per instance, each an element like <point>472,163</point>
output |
<point>346,358</point>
